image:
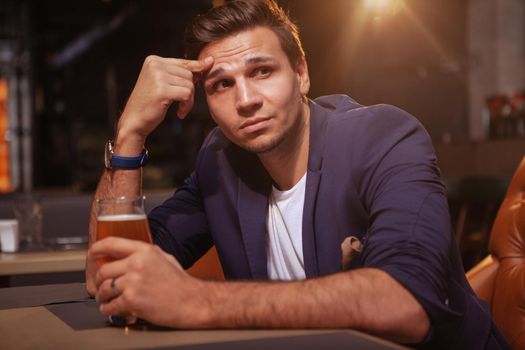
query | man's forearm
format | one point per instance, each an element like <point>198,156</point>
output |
<point>112,183</point>
<point>161,82</point>
<point>354,299</point>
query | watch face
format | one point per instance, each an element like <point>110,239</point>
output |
<point>108,152</point>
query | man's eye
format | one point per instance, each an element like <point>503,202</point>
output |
<point>262,71</point>
<point>222,84</point>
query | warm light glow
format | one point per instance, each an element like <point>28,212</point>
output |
<point>383,6</point>
<point>378,4</point>
<point>5,183</point>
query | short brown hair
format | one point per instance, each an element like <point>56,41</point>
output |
<point>239,15</point>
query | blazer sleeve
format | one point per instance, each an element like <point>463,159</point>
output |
<point>409,234</point>
<point>179,225</point>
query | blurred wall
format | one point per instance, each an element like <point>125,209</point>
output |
<point>413,57</point>
<point>496,51</point>
<point>435,59</point>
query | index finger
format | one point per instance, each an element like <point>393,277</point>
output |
<point>115,247</point>
<point>197,66</point>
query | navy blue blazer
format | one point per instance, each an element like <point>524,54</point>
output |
<point>372,173</point>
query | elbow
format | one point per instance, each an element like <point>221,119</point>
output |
<point>411,327</point>
<point>411,324</point>
<point>418,326</point>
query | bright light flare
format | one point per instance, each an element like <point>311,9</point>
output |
<point>383,6</point>
<point>377,4</point>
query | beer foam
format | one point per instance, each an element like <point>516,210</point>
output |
<point>122,217</point>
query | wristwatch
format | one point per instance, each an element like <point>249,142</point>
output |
<point>113,161</point>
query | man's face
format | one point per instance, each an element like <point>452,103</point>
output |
<point>254,94</point>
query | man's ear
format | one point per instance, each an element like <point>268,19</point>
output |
<point>302,75</point>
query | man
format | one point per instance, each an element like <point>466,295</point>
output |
<point>344,201</point>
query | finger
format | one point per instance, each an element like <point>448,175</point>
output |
<point>191,65</point>
<point>115,306</point>
<point>116,247</point>
<point>185,107</point>
<point>199,75</point>
<point>91,271</point>
<point>131,319</point>
<point>187,69</point>
<point>108,290</point>
<point>118,306</point>
<point>111,270</point>
<point>184,96</point>
<point>179,71</point>
<point>196,66</point>
<point>91,259</point>
<point>180,82</point>
<point>168,66</point>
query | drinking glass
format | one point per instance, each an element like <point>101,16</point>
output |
<point>121,217</point>
<point>28,212</point>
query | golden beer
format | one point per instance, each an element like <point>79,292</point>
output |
<point>132,226</point>
<point>122,217</point>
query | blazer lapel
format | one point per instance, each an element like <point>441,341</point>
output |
<point>309,252</point>
<point>313,179</point>
<point>254,186</point>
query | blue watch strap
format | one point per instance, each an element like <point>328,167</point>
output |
<point>121,162</point>
<point>114,161</point>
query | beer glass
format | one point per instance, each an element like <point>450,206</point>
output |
<point>122,217</point>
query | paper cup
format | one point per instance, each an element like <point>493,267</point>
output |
<point>9,235</point>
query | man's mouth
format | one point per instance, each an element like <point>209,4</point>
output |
<point>254,124</point>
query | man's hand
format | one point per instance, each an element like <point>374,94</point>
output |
<point>161,82</point>
<point>147,284</point>
<point>91,270</point>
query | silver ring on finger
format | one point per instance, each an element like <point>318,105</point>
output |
<point>113,286</point>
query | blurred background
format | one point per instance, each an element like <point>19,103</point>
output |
<point>67,68</point>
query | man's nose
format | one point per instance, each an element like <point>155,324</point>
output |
<point>249,100</point>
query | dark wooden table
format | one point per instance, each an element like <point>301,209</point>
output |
<point>62,316</point>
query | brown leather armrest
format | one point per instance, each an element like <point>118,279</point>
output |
<point>208,266</point>
<point>482,276</point>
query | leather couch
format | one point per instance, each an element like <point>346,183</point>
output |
<point>500,278</point>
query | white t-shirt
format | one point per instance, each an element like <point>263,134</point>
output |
<point>284,229</point>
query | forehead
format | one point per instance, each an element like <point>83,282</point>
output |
<point>243,45</point>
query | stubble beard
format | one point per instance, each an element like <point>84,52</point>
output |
<point>266,146</point>
<point>274,142</point>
